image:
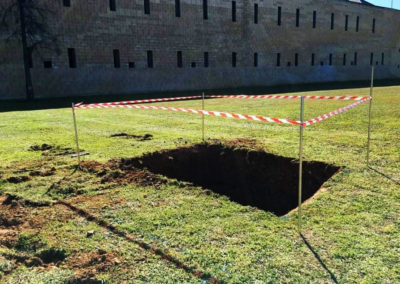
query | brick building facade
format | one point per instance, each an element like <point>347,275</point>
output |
<point>131,46</point>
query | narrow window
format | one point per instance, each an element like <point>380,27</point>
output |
<point>113,5</point>
<point>355,58</point>
<point>373,25</point>
<point>179,59</point>
<point>279,16</point>
<point>205,10</point>
<point>297,17</point>
<point>131,65</point>
<point>256,13</point>
<point>117,62</point>
<point>357,23</point>
<point>344,59</point>
<point>72,57</point>
<point>177,8</point>
<point>255,59</point>
<point>48,64</point>
<point>314,19</point>
<point>332,21</point>
<point>383,59</point>
<point>233,11</point>
<point>296,59</point>
<point>371,59</point>
<point>193,65</point>
<point>312,59</point>
<point>150,59</point>
<point>330,59</point>
<point>206,64</point>
<point>233,59</point>
<point>147,7</point>
<point>67,3</point>
<point>30,59</point>
<point>346,23</point>
<point>278,59</point>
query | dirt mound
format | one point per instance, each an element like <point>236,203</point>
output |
<point>52,150</point>
<point>44,173</point>
<point>249,177</point>
<point>43,147</point>
<point>88,265</point>
<point>18,179</point>
<point>144,137</point>
<point>121,172</point>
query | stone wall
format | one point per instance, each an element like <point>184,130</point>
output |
<point>94,31</point>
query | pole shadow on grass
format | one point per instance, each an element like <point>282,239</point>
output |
<point>385,176</point>
<point>320,260</point>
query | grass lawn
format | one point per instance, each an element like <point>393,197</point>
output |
<point>155,229</point>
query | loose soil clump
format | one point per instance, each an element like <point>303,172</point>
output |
<point>249,177</point>
<point>122,172</point>
<point>52,150</point>
<point>144,137</point>
<point>18,179</point>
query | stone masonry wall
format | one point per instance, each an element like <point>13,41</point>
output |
<point>94,32</point>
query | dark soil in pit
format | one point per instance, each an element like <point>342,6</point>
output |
<point>249,177</point>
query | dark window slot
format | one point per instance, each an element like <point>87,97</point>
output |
<point>205,10</point>
<point>117,61</point>
<point>177,8</point>
<point>206,63</point>
<point>113,5</point>
<point>279,16</point>
<point>72,57</point>
<point>147,7</point>
<point>179,59</point>
<point>150,63</point>
<point>256,13</point>
<point>233,11</point>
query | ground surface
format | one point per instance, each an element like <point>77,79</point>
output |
<point>113,224</point>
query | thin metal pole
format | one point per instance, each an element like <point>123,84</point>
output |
<point>301,161</point>
<point>76,135</point>
<point>202,107</point>
<point>371,92</point>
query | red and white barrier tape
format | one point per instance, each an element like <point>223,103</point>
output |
<point>80,105</point>
<point>197,111</point>
<point>345,98</point>
<point>360,100</point>
<point>336,112</point>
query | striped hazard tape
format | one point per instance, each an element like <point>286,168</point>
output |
<point>80,105</point>
<point>198,111</point>
<point>359,101</point>
<point>335,112</point>
<point>344,98</point>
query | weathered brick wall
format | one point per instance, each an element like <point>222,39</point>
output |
<point>94,31</point>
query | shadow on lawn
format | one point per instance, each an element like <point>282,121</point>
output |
<point>54,103</point>
<point>385,176</point>
<point>320,260</point>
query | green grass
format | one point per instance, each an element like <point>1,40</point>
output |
<point>353,227</point>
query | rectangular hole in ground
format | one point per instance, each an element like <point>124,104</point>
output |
<point>248,177</point>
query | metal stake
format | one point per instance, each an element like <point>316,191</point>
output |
<point>301,161</point>
<point>371,92</point>
<point>76,135</point>
<point>202,107</point>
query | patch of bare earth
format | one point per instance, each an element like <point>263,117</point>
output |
<point>121,171</point>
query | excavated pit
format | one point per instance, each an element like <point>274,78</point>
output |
<point>248,177</point>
